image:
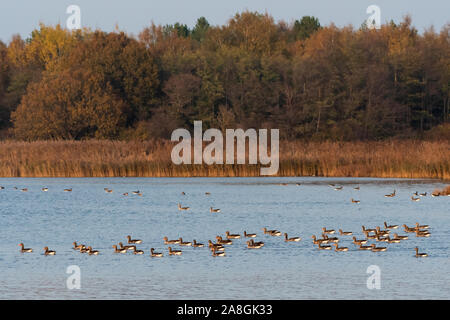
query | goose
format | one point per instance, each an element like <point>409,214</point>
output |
<point>135,241</point>
<point>339,188</point>
<point>394,226</point>
<point>249,235</point>
<point>24,189</point>
<point>135,192</point>
<point>390,195</point>
<point>214,245</point>
<point>424,226</point>
<point>378,249</point>
<point>174,252</point>
<point>356,188</point>
<point>218,254</point>
<point>92,252</point>
<point>420,255</point>
<point>329,231</point>
<point>382,232</point>
<point>44,189</point>
<point>339,249</point>
<point>361,247</point>
<point>368,230</point>
<point>182,208</point>
<point>416,193</point>
<point>435,195</point>
<point>232,236</point>
<point>393,240</point>
<point>2,187</point>
<point>408,229</point>
<point>77,246</point>
<point>359,242</point>
<point>23,250</point>
<point>68,190</point>
<point>345,233</point>
<point>293,239</point>
<point>252,245</point>
<point>272,232</point>
<point>108,191</point>
<point>355,201</point>
<point>187,243</point>
<point>422,234</point>
<point>396,236</point>
<point>417,229</point>
<point>119,250</point>
<point>324,247</point>
<point>135,251</point>
<point>49,252</point>
<point>211,209</point>
<point>195,244</point>
<point>222,241</point>
<point>415,199</point>
<point>207,193</point>
<point>423,194</point>
<point>259,243</point>
<point>125,194</point>
<point>221,248</point>
<point>182,193</point>
<point>126,247</point>
<point>330,239</point>
<point>155,254</point>
<point>318,241</point>
<point>166,241</point>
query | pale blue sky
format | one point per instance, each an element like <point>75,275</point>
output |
<point>22,16</point>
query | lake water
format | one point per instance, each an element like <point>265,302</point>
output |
<point>280,270</point>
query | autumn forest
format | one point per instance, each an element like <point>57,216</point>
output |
<point>308,80</point>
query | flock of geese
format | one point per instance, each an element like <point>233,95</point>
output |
<point>218,247</point>
<point>376,234</point>
<point>45,189</point>
<point>389,195</point>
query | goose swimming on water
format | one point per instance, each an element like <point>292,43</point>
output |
<point>390,226</point>
<point>166,241</point>
<point>249,235</point>
<point>136,241</point>
<point>232,236</point>
<point>116,250</point>
<point>174,252</point>
<point>182,208</point>
<point>23,250</point>
<point>390,195</point>
<point>155,254</point>
<point>49,252</point>
<point>420,255</point>
<point>293,239</point>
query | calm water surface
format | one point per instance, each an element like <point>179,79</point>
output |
<point>279,270</point>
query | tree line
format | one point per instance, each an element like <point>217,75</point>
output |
<point>309,81</point>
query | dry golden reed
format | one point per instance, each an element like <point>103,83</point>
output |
<point>100,158</point>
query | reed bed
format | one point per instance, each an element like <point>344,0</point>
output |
<point>100,158</point>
